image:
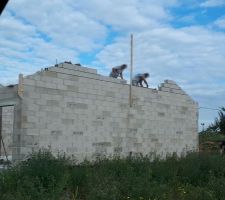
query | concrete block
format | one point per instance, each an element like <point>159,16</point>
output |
<point>161,114</point>
<point>68,66</point>
<point>123,81</point>
<point>163,106</point>
<point>171,90</point>
<point>77,105</point>
<point>118,150</point>
<point>31,140</point>
<point>73,78</point>
<point>72,88</point>
<point>68,121</point>
<point>117,141</point>
<point>29,82</point>
<point>71,150</point>
<point>69,82</point>
<point>106,114</point>
<point>103,144</point>
<point>50,74</point>
<point>172,86</point>
<point>110,94</point>
<point>30,125</point>
<point>78,133</point>
<point>132,131</point>
<point>138,147</point>
<point>35,132</point>
<point>52,103</point>
<point>183,110</point>
<point>123,105</point>
<point>97,123</point>
<point>170,82</point>
<point>77,68</point>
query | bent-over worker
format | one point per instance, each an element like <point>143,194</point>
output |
<point>139,78</point>
<point>118,71</point>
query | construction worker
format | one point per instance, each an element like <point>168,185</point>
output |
<point>118,71</point>
<point>139,78</point>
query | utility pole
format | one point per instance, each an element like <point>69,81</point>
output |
<point>131,68</point>
<point>203,129</point>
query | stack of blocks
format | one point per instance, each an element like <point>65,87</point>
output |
<point>72,109</point>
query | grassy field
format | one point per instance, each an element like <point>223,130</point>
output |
<point>45,177</point>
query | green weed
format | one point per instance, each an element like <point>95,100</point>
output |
<point>45,177</point>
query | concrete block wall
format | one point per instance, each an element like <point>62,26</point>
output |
<point>10,102</point>
<point>7,129</point>
<point>8,95</point>
<point>74,110</point>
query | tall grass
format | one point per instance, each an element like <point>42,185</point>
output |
<point>45,177</point>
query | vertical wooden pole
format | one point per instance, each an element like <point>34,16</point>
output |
<point>0,131</point>
<point>5,150</point>
<point>131,68</point>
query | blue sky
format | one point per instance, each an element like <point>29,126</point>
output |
<point>173,39</point>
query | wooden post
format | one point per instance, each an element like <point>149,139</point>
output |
<point>131,68</point>
<point>0,131</point>
<point>5,151</point>
<point>1,139</point>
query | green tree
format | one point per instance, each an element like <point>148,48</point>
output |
<point>219,124</point>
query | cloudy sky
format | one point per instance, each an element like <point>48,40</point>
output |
<point>173,39</point>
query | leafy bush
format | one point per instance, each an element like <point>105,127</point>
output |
<point>42,176</point>
<point>219,124</point>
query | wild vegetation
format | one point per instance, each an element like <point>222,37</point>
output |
<point>210,142</point>
<point>210,138</point>
<point>219,124</point>
<point>45,177</point>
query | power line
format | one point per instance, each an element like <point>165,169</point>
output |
<point>209,108</point>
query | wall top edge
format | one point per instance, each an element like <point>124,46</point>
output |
<point>91,73</point>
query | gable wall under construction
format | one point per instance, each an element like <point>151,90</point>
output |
<point>74,110</point>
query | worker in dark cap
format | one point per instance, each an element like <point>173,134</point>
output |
<point>139,78</point>
<point>118,71</point>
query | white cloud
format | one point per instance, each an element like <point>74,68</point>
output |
<point>23,51</point>
<point>213,3</point>
<point>64,25</point>
<point>36,34</point>
<point>130,15</point>
<point>220,22</point>
<point>188,19</point>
